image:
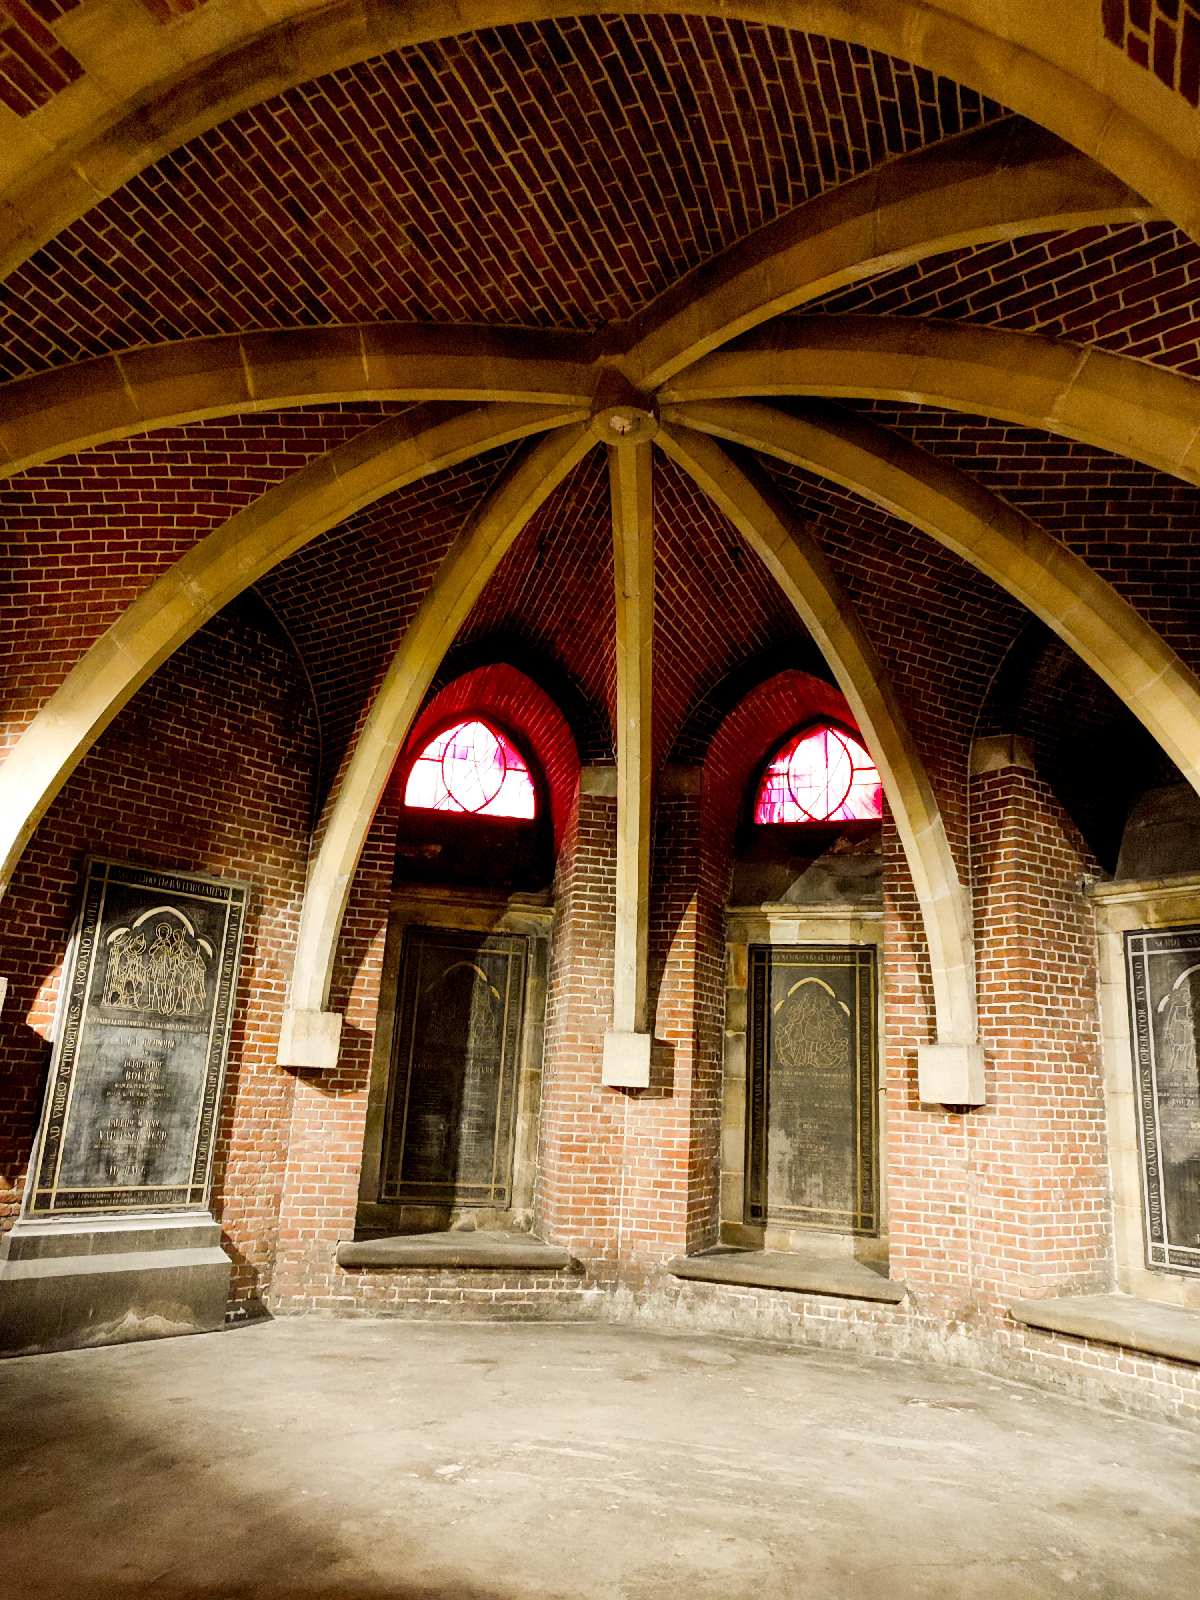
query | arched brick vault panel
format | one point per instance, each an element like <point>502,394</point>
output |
<point>695,737</point>
<point>1087,745</point>
<point>1131,289</point>
<point>553,591</point>
<point>1132,525</point>
<point>715,603</point>
<point>209,767</point>
<point>554,174</point>
<point>347,597</point>
<point>517,703</point>
<point>586,720</point>
<point>109,521</point>
<point>941,628</point>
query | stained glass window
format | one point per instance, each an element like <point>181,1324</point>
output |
<point>471,767</point>
<point>820,775</point>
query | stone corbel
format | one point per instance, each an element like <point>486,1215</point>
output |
<point>310,1039</point>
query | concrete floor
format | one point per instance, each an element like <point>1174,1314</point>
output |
<point>465,1462</point>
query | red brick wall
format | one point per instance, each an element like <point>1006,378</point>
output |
<point>581,1147</point>
<point>1040,1152</point>
<point>209,768</point>
<point>1012,1199</point>
<point>84,536</point>
<point>329,1109</point>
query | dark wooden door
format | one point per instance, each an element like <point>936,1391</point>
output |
<point>452,1102</point>
<point>811,1157</point>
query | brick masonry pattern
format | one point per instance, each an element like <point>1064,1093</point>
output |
<point>1132,290</point>
<point>550,175</point>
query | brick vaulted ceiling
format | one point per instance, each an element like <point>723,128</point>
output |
<point>562,175</point>
<point>558,175</point>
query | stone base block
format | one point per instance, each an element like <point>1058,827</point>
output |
<point>626,1062</point>
<point>951,1074</point>
<point>64,1285</point>
<point>310,1039</point>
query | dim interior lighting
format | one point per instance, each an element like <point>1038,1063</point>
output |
<point>820,775</point>
<point>471,768</point>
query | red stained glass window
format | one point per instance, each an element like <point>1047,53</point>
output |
<point>820,775</point>
<point>471,767</point>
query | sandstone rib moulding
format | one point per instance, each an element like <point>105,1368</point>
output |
<point>310,1034</point>
<point>1130,407</point>
<point>998,181</point>
<point>1084,610</point>
<point>111,397</point>
<point>796,563</point>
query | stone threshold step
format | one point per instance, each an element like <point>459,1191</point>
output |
<point>840,1276</point>
<point>1145,1325</point>
<point>505,1251</point>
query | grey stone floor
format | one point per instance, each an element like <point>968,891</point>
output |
<point>368,1459</point>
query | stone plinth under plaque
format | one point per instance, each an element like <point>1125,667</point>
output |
<point>1163,969</point>
<point>115,1240</point>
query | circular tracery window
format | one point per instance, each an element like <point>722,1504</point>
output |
<point>471,768</point>
<point>821,774</point>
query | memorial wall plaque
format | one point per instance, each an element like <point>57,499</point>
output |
<point>812,1085</point>
<point>452,1103</point>
<point>1163,969</point>
<point>135,1082</point>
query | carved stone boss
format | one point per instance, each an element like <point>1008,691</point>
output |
<point>1163,970</point>
<point>141,1042</point>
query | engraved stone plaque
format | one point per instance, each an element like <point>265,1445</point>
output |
<point>452,1107</point>
<point>811,1129</point>
<point>1163,969</point>
<point>138,1067</point>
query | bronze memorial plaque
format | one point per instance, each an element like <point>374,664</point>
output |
<point>1163,970</point>
<point>452,1104</point>
<point>141,1039</point>
<point>812,1084</point>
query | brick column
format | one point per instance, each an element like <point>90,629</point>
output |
<point>1042,1213</point>
<point>927,1157</point>
<point>329,1111</point>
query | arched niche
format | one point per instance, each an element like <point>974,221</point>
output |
<point>454,1100</point>
<point>804,919</point>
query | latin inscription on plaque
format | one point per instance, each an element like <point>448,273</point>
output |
<point>139,1058</point>
<point>452,1107</point>
<point>811,1135</point>
<point>1164,1005</point>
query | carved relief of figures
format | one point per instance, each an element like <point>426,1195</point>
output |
<point>812,1032</point>
<point>166,980</point>
<point>1178,1074</point>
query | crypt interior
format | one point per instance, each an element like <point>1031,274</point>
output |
<point>600,774</point>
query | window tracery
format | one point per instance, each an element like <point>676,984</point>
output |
<point>821,774</point>
<point>473,768</point>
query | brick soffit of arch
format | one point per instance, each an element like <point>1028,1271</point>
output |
<point>995,182</point>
